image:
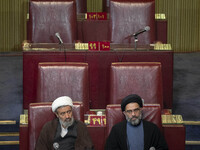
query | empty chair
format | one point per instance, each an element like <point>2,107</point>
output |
<point>81,5</point>
<point>142,78</point>
<point>50,17</point>
<point>40,113</point>
<point>131,16</point>
<point>57,79</point>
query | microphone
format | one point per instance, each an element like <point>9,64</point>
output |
<point>147,28</point>
<point>59,38</point>
<point>56,146</point>
<point>152,148</point>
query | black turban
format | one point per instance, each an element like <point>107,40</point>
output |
<point>133,98</point>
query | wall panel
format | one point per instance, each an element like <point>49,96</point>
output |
<point>183,23</point>
<point>12,24</point>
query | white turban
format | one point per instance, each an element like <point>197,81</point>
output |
<point>61,101</point>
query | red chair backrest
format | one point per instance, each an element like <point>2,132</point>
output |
<point>57,79</point>
<point>151,112</point>
<point>41,113</point>
<point>129,16</point>
<point>142,78</point>
<point>81,5</point>
<point>50,17</point>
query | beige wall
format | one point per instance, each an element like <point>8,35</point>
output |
<point>183,23</point>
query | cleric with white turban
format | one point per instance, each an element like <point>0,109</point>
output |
<point>64,132</point>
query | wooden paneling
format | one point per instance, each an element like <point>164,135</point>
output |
<point>183,23</point>
<point>12,24</point>
<point>94,5</point>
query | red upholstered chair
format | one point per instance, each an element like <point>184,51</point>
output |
<point>129,16</point>
<point>57,79</point>
<point>151,112</point>
<point>49,17</point>
<point>81,5</point>
<point>142,78</point>
<point>174,134</point>
<point>40,113</point>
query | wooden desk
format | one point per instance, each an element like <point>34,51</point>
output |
<point>99,66</point>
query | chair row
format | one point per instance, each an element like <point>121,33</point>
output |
<point>71,78</point>
<point>126,18</point>
<point>57,79</point>
<point>40,113</point>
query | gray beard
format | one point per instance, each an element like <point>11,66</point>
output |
<point>136,121</point>
<point>66,123</point>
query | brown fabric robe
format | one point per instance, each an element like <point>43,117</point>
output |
<point>46,137</point>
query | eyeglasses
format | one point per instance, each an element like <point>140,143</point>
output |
<point>131,111</point>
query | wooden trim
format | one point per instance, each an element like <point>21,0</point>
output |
<point>192,142</point>
<point>191,122</point>
<point>9,142</point>
<point>9,133</point>
<point>7,122</point>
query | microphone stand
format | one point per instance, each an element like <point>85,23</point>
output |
<point>135,41</point>
<point>62,48</point>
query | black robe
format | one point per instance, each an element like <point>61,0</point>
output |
<point>117,140</point>
<point>46,138</point>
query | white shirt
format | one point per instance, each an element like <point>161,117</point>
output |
<point>64,131</point>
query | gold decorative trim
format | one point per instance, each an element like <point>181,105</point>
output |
<point>97,109</point>
<point>9,133</point>
<point>160,16</point>
<point>9,142</point>
<point>162,46</point>
<point>172,119</point>
<point>7,122</point>
<point>27,16</point>
<point>191,122</point>
<point>26,45</point>
<point>24,119</point>
<point>81,46</point>
<point>192,142</point>
<point>23,125</point>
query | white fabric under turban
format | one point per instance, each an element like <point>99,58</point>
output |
<point>61,101</point>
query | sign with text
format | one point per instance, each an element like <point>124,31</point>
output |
<point>96,16</point>
<point>93,46</point>
<point>98,120</point>
<point>104,46</point>
<point>99,46</point>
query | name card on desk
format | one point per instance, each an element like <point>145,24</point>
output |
<point>96,16</point>
<point>93,46</point>
<point>104,46</point>
<point>162,47</point>
<point>99,46</point>
<point>97,120</point>
<point>81,46</point>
